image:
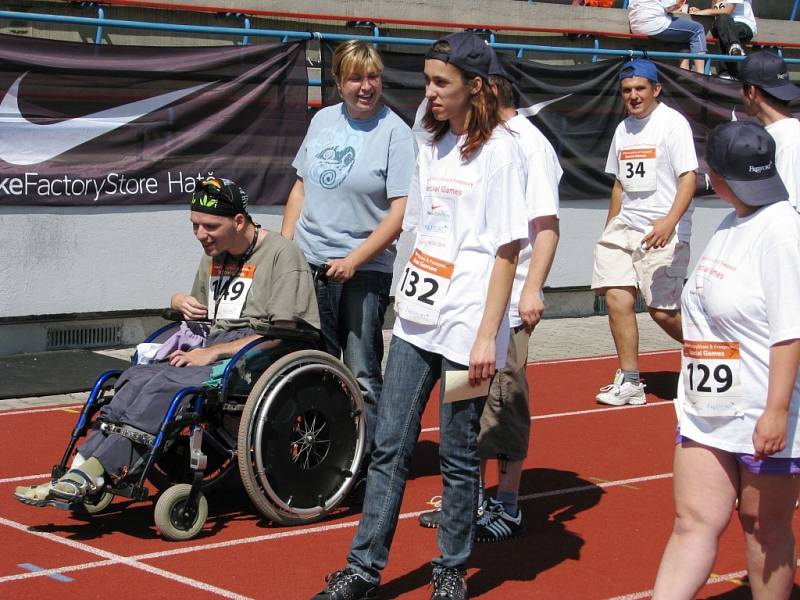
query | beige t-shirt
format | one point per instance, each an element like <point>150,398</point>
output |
<point>281,287</point>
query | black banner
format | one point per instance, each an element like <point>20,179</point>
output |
<point>113,125</point>
<point>577,107</point>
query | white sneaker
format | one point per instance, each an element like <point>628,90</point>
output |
<point>736,50</point>
<point>619,394</point>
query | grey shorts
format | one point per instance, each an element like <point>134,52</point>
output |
<point>506,418</point>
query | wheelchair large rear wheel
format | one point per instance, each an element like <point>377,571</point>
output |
<point>301,437</point>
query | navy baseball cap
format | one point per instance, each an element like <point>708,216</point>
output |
<point>768,71</point>
<point>639,67</point>
<point>497,68</point>
<point>217,196</point>
<point>467,51</point>
<point>743,153</point>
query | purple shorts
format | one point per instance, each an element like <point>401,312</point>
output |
<point>769,466</point>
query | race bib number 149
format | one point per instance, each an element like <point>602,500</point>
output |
<point>227,296</point>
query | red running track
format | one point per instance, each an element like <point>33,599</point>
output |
<point>596,499</point>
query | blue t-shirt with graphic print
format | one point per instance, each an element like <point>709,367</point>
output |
<point>350,168</point>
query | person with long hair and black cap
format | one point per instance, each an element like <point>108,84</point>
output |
<point>248,278</point>
<point>738,400</point>
<point>466,209</point>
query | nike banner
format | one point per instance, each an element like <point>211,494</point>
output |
<point>577,107</point>
<point>82,124</point>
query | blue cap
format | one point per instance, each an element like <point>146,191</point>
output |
<point>639,67</point>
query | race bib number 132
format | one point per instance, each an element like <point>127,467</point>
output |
<point>422,288</point>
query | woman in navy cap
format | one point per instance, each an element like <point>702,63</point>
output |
<point>467,212</point>
<point>738,400</point>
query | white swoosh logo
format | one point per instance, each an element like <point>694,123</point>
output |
<point>533,110</point>
<point>26,143</point>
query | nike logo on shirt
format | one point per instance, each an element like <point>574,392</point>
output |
<point>26,143</point>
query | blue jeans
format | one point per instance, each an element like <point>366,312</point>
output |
<point>684,30</point>
<point>410,376</point>
<point>352,314</point>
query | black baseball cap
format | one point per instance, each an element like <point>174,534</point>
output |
<point>496,67</point>
<point>467,51</point>
<point>768,71</point>
<point>743,153</point>
<point>221,197</point>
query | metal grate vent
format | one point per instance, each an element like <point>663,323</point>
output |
<point>84,337</point>
<point>600,307</point>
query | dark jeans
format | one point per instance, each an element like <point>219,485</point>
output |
<point>411,374</point>
<point>352,314</point>
<point>730,32</point>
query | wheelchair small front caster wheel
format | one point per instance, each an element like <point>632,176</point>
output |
<point>94,506</point>
<point>172,518</point>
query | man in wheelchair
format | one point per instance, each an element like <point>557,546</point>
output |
<point>248,280</point>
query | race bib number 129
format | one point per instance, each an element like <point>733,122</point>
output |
<point>711,383</point>
<point>423,286</point>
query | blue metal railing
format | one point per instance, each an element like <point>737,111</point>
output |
<point>246,31</point>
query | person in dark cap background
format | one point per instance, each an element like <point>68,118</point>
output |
<point>248,279</point>
<point>767,92</point>
<point>738,440</point>
<point>466,209</point>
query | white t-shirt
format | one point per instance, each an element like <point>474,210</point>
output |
<point>461,213</point>
<point>648,156</point>
<point>541,195</point>
<point>648,17</point>
<point>786,134</point>
<point>743,13</point>
<point>742,298</point>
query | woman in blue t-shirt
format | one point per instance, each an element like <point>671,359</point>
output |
<point>345,212</point>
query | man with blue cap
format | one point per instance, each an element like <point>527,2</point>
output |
<point>645,243</point>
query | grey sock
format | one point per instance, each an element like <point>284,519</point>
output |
<point>631,377</point>
<point>509,500</point>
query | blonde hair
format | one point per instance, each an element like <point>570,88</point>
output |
<point>355,56</point>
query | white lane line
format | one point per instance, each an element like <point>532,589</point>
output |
<point>59,570</point>
<point>575,413</point>
<point>560,361</point>
<point>30,411</point>
<point>711,580</point>
<point>26,478</point>
<point>352,524</point>
<point>116,558</point>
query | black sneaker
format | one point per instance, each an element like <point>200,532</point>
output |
<point>496,524</point>
<point>449,584</point>
<point>347,585</point>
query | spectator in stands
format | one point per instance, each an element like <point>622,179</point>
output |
<point>734,25</point>
<point>653,18</point>
<point>739,433</point>
<point>766,92</point>
<point>645,242</point>
<point>467,212</point>
<point>346,209</point>
<point>248,279</point>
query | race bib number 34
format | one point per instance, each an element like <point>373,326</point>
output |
<point>226,300</point>
<point>637,169</point>
<point>711,382</point>
<point>422,288</point>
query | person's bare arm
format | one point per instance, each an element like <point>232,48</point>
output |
<point>294,206</point>
<point>664,227</point>
<point>769,435</point>
<point>189,306</point>
<point>531,305</point>
<point>713,11</point>
<point>387,231</point>
<point>482,356</point>
<point>210,354</point>
<point>615,205</point>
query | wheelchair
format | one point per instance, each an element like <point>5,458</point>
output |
<point>294,429</point>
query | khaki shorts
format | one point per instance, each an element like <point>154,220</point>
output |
<point>506,418</point>
<point>659,273</point>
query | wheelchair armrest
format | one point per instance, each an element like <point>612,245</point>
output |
<point>169,314</point>
<point>301,333</point>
